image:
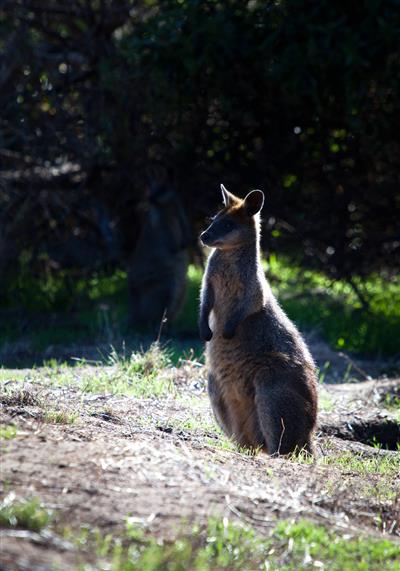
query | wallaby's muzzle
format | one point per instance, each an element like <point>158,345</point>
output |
<point>209,239</point>
<point>206,239</point>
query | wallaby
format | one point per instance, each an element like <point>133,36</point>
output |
<point>157,272</point>
<point>262,379</point>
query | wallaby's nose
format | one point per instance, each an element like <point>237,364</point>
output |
<point>203,237</point>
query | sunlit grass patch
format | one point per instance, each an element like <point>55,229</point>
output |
<point>392,403</point>
<point>7,375</point>
<point>142,374</point>
<point>8,432</point>
<point>325,401</point>
<point>25,514</point>
<point>224,443</point>
<point>144,363</point>
<point>222,544</point>
<point>59,290</point>
<point>221,442</point>
<point>333,308</point>
<point>303,544</point>
<point>193,422</point>
<point>383,491</point>
<point>384,464</point>
<point>59,417</point>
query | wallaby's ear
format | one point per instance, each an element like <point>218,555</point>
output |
<point>227,196</point>
<point>253,202</point>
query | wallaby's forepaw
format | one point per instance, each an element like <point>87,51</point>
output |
<point>205,332</point>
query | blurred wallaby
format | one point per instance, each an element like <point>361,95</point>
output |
<point>157,272</point>
<point>262,380</point>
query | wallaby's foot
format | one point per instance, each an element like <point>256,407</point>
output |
<point>275,449</point>
<point>285,420</point>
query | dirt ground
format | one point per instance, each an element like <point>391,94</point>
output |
<point>128,457</point>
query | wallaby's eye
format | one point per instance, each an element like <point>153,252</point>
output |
<point>228,225</point>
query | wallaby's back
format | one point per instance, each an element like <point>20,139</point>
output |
<point>262,381</point>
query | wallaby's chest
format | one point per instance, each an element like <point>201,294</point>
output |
<point>227,282</point>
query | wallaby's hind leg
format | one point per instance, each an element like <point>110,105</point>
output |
<point>284,420</point>
<point>219,407</point>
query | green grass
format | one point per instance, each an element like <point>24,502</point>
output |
<point>382,491</point>
<point>385,465</point>
<point>221,544</point>
<point>11,375</point>
<point>24,514</point>
<point>332,308</point>
<point>237,547</point>
<point>193,422</point>
<point>309,544</point>
<point>142,374</point>
<point>77,309</point>
<point>61,290</point>
<point>325,401</point>
<point>8,432</point>
<point>392,403</point>
<point>60,417</point>
<point>96,308</point>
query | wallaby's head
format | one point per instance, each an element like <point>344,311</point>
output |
<point>237,223</point>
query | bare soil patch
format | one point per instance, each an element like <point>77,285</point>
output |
<point>161,461</point>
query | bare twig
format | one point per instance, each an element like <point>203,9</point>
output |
<point>282,433</point>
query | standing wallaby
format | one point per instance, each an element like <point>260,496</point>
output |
<point>158,268</point>
<point>262,380</point>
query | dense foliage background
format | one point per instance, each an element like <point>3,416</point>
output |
<point>298,97</point>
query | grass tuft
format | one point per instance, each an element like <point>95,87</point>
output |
<point>8,432</point>
<point>237,547</point>
<point>20,397</point>
<point>142,375</point>
<point>23,514</point>
<point>383,464</point>
<point>304,544</point>
<point>60,417</point>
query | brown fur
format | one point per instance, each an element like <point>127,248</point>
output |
<point>262,381</point>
